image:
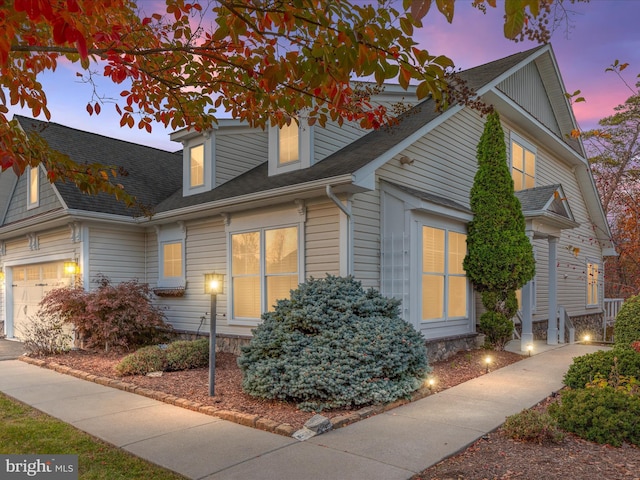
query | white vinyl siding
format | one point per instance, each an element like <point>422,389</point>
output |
<point>239,151</point>
<point>575,245</point>
<point>366,232</point>
<point>116,254</point>
<point>47,201</point>
<point>322,239</point>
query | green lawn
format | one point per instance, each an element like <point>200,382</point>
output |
<point>24,430</point>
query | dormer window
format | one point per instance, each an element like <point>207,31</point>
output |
<point>196,166</point>
<point>33,197</point>
<point>289,144</point>
<point>198,172</point>
<point>290,147</point>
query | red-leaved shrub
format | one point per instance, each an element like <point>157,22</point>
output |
<point>111,316</point>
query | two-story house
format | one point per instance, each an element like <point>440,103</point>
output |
<point>271,208</point>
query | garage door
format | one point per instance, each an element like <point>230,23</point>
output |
<point>30,284</point>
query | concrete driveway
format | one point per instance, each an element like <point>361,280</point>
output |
<point>10,350</point>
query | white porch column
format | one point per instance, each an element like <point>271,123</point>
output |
<point>527,311</point>
<point>552,329</point>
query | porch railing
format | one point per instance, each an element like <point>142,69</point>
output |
<point>611,309</point>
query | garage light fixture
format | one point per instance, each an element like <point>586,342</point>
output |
<point>71,268</point>
<point>1,274</point>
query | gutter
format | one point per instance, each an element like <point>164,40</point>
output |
<point>349,229</point>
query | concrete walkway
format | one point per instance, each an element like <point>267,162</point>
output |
<point>393,445</point>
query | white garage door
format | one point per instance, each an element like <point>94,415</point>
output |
<point>30,284</point>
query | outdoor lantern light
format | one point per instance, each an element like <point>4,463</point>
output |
<point>71,268</point>
<point>1,274</point>
<point>530,349</point>
<point>213,285</point>
<point>488,362</point>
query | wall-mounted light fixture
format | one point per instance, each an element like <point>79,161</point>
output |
<point>213,285</point>
<point>1,274</point>
<point>71,267</point>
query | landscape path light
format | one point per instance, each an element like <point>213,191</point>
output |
<point>530,348</point>
<point>213,285</point>
<point>487,360</point>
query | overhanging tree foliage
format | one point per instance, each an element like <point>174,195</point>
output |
<point>261,61</point>
<point>614,149</point>
<point>499,257</point>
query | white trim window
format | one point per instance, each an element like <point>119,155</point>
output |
<point>444,285</point>
<point>265,267</point>
<point>33,188</point>
<point>196,166</point>
<point>523,163</point>
<point>290,147</point>
<point>593,280</point>
<point>171,256</point>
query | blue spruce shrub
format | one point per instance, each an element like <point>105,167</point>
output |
<point>334,345</point>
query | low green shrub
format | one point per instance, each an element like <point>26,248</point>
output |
<point>497,328</point>
<point>331,345</point>
<point>143,361</point>
<point>186,354</point>
<point>600,414</point>
<point>586,368</point>
<point>533,426</point>
<point>626,329</point>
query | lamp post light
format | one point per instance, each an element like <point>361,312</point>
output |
<point>213,283</point>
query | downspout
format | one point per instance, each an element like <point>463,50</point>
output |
<point>349,239</point>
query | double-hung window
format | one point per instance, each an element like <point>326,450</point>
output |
<point>264,269</point>
<point>523,163</point>
<point>33,194</point>
<point>171,256</point>
<point>196,166</point>
<point>593,276</point>
<point>444,282</point>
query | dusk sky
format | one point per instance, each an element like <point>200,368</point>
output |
<point>600,32</point>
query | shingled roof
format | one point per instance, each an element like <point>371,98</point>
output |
<point>153,174</point>
<point>355,155</point>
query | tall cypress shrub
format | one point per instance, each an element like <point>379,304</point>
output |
<point>499,257</point>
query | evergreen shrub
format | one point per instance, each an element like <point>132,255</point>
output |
<point>497,328</point>
<point>142,361</point>
<point>586,368</point>
<point>601,414</point>
<point>187,354</point>
<point>533,426</point>
<point>334,345</point>
<point>626,328</point>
